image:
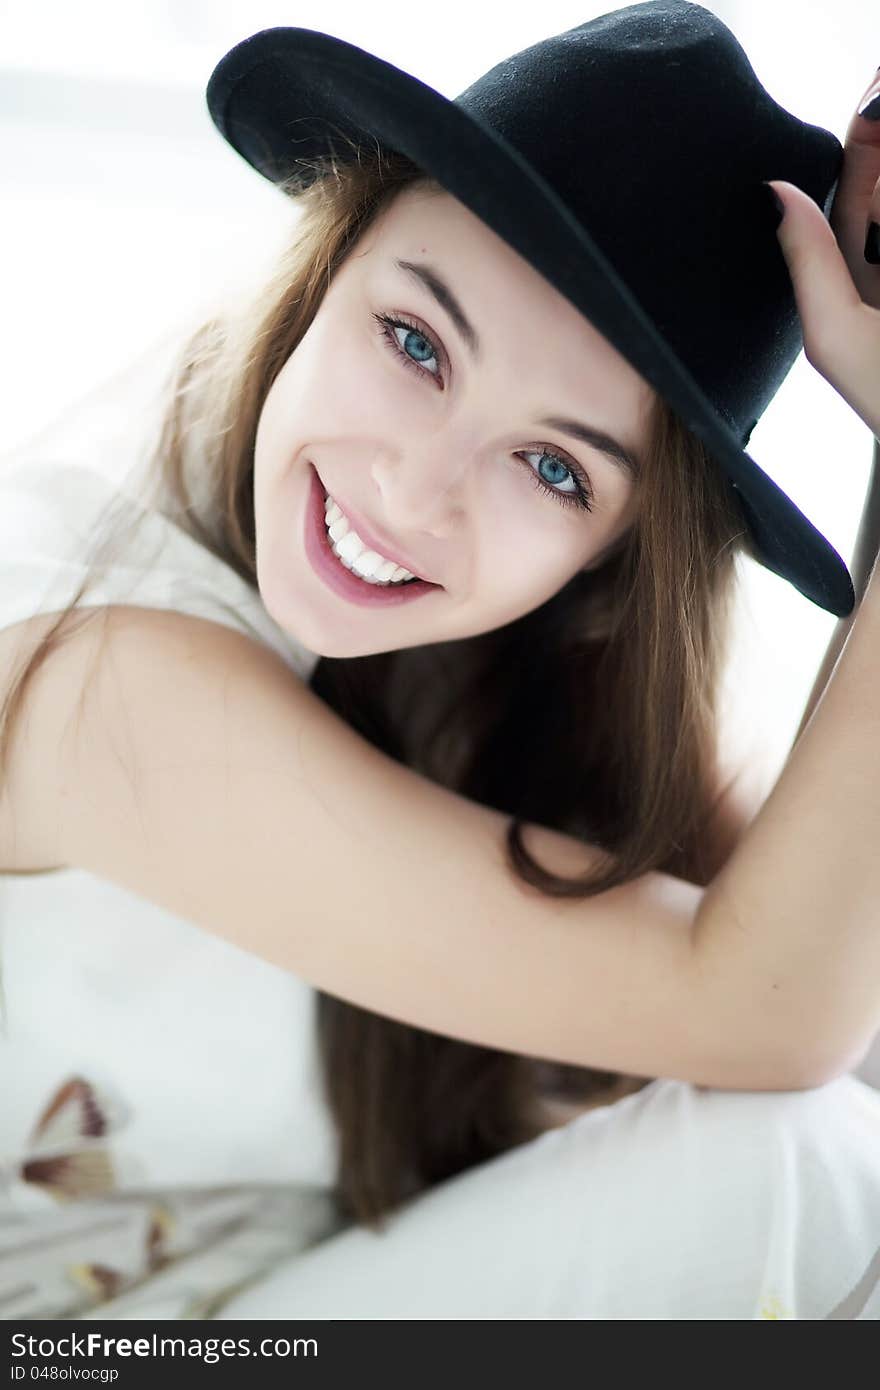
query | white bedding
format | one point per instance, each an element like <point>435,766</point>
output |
<point>677,1202</point>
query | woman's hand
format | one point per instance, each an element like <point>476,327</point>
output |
<point>857,200</point>
<point>837,290</point>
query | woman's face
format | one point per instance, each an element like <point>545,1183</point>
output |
<point>441,438</point>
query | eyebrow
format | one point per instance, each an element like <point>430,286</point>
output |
<point>430,278</point>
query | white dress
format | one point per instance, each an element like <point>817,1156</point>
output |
<point>165,1146</point>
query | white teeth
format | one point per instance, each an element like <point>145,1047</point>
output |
<point>367,563</point>
<point>349,545</point>
<point>351,551</point>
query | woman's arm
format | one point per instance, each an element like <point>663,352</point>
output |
<point>743,791</point>
<point>864,554</point>
<point>795,913</point>
<point>199,774</point>
<point>795,910</point>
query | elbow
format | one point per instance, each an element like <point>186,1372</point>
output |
<point>810,1074</point>
<point>779,1066</point>
<point>795,1075</point>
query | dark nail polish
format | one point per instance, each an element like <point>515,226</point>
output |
<point>872,244</point>
<point>871,109</point>
<point>778,205</point>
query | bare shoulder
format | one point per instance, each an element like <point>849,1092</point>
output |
<point>46,722</point>
<point>87,646</point>
<point>187,763</point>
<point>28,819</point>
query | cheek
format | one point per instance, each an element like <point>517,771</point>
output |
<point>524,559</point>
<point>340,384</point>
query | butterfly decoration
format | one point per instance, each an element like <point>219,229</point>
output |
<point>68,1158</point>
<point>67,1154</point>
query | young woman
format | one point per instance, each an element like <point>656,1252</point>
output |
<point>514,616</point>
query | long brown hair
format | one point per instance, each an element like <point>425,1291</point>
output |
<point>594,714</point>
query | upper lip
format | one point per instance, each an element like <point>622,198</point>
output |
<point>373,539</point>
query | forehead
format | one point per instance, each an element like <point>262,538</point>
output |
<point>418,209</point>
<point>433,223</point>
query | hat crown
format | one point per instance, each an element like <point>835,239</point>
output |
<point>650,125</point>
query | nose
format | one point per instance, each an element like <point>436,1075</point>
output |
<point>423,488</point>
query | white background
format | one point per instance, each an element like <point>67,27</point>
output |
<point>123,211</point>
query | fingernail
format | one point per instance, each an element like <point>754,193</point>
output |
<point>870,107</point>
<point>778,205</point>
<point>872,244</point>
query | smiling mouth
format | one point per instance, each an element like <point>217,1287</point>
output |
<point>389,572</point>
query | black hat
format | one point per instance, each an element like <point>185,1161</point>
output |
<point>624,160</point>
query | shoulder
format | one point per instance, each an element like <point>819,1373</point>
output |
<point>113,662</point>
<point>28,830</point>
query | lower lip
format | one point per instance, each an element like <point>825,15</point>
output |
<point>333,571</point>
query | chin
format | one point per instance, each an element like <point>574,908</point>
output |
<point>336,645</point>
<point>351,648</point>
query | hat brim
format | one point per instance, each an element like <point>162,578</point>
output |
<point>287,99</point>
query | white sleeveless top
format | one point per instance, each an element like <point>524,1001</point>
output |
<point>139,1053</point>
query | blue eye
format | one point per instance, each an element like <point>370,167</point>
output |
<point>417,342</point>
<point>414,341</point>
<point>576,497</point>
